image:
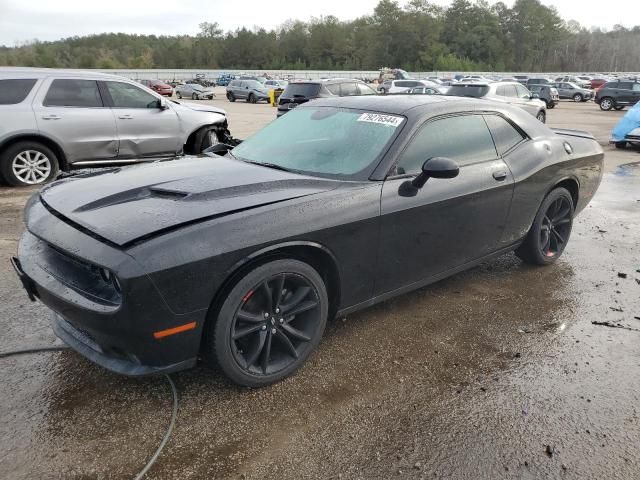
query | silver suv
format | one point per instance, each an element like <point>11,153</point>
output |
<point>56,119</point>
<point>508,92</point>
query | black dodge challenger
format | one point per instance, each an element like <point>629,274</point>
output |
<point>241,256</point>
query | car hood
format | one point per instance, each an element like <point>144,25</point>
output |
<point>125,206</point>
<point>197,107</point>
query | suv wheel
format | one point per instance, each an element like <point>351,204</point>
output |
<point>251,98</point>
<point>194,96</point>
<point>542,116</point>
<point>28,163</point>
<point>230,97</point>
<point>577,97</point>
<point>383,91</point>
<point>607,103</point>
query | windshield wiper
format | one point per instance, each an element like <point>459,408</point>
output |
<point>270,165</point>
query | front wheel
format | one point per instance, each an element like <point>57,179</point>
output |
<point>542,116</point>
<point>179,95</point>
<point>28,163</point>
<point>194,96</point>
<point>268,324</point>
<point>550,231</point>
<point>577,97</point>
<point>230,97</point>
<point>251,98</point>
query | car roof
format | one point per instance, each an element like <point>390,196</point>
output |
<point>29,72</point>
<point>397,104</point>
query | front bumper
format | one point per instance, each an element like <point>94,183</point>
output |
<point>118,332</point>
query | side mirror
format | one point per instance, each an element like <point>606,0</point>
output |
<point>163,104</point>
<point>535,95</point>
<point>436,167</point>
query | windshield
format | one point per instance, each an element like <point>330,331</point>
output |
<point>324,141</point>
<point>301,90</point>
<point>254,84</point>
<point>476,91</point>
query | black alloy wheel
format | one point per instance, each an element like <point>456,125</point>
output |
<point>550,231</point>
<point>269,324</point>
<point>556,227</point>
<point>251,98</point>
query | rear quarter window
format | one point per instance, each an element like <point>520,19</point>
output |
<point>505,135</point>
<point>476,91</point>
<point>13,91</point>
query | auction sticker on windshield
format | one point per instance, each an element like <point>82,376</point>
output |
<point>381,118</point>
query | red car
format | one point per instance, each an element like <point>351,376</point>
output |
<point>158,87</point>
<point>596,83</point>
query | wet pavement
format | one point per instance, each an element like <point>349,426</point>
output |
<point>498,372</point>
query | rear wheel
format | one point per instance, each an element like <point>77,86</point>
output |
<point>251,98</point>
<point>194,96</point>
<point>577,97</point>
<point>268,324</point>
<point>550,231</point>
<point>28,163</point>
<point>383,91</point>
<point>607,104</point>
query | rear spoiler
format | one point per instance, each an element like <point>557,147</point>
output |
<point>573,133</point>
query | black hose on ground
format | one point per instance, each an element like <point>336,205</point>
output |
<point>174,413</point>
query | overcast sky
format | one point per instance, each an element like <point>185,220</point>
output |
<point>22,20</point>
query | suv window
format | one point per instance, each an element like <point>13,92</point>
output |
<point>348,89</point>
<point>504,134</point>
<point>334,89</point>
<point>522,92</point>
<point>625,85</point>
<point>125,95</point>
<point>468,90</point>
<point>14,91</point>
<point>73,93</point>
<point>465,139</point>
<point>507,91</point>
<point>234,83</point>
<point>365,89</point>
<point>404,83</point>
<point>301,90</point>
<point>636,87</point>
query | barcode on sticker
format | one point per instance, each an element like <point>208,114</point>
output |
<point>391,120</point>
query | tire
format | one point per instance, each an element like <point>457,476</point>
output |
<point>230,97</point>
<point>179,95</point>
<point>242,359</point>
<point>578,98</point>
<point>205,137</point>
<point>554,216</point>
<point>607,103</point>
<point>194,96</point>
<point>40,164</point>
<point>251,98</point>
<point>619,107</point>
<point>542,116</point>
<point>621,145</point>
<point>383,91</point>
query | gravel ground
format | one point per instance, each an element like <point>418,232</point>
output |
<point>498,372</point>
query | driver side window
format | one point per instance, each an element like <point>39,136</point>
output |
<point>125,95</point>
<point>465,139</point>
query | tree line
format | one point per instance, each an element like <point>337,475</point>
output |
<point>418,36</point>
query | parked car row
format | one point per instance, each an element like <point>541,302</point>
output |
<point>53,120</point>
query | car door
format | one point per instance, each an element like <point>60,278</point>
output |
<point>145,128</point>
<point>73,113</point>
<point>625,93</point>
<point>446,223</point>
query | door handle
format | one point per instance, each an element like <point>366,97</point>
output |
<point>500,175</point>
<point>50,117</point>
<point>125,117</point>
